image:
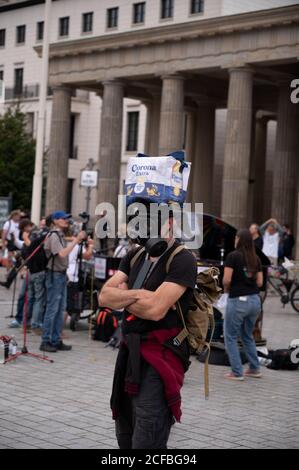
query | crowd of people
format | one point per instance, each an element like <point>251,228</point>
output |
<point>149,372</point>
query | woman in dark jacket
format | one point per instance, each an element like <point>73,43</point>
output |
<point>243,278</point>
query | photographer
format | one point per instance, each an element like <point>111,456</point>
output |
<point>37,268</point>
<point>73,273</point>
<point>57,253</point>
<point>149,372</point>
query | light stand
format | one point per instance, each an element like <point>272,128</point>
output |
<point>24,351</point>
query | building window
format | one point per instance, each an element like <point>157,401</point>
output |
<point>133,126</point>
<point>197,6</point>
<point>69,195</point>
<point>40,31</point>
<point>139,13</point>
<point>112,17</point>
<point>64,24</point>
<point>1,85</point>
<point>167,9</point>
<point>2,37</point>
<point>87,22</point>
<point>21,34</point>
<point>18,85</point>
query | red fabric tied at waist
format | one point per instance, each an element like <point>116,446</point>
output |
<point>167,365</point>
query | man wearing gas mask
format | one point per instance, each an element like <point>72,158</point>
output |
<point>149,371</point>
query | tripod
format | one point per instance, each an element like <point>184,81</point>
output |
<point>24,351</point>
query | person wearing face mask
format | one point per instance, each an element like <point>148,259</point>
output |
<point>243,277</point>
<point>150,368</point>
<point>57,252</point>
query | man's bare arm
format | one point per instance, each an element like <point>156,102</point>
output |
<point>113,294</point>
<point>155,305</point>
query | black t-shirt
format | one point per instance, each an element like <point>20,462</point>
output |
<point>243,283</point>
<point>259,243</point>
<point>182,271</point>
<point>39,261</point>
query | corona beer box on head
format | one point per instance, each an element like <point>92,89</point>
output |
<point>157,179</point>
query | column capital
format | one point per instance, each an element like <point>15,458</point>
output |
<point>172,76</point>
<point>245,69</point>
<point>113,82</point>
<point>64,88</point>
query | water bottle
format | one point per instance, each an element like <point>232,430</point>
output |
<point>2,351</point>
<point>13,346</point>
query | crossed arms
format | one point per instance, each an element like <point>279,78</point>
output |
<point>142,303</point>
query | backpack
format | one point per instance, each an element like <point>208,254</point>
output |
<point>200,318</point>
<point>105,325</point>
<point>282,360</point>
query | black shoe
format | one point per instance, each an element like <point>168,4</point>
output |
<point>4,284</point>
<point>63,347</point>
<point>47,347</point>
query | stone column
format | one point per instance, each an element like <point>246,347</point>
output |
<point>260,154</point>
<point>204,156</point>
<point>59,151</point>
<point>153,125</point>
<point>172,115</point>
<point>297,227</point>
<point>237,148</point>
<point>286,155</point>
<point>190,149</point>
<point>110,142</point>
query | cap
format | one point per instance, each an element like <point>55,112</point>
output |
<point>60,215</point>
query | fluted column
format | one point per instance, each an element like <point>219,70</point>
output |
<point>237,148</point>
<point>190,149</point>
<point>204,156</point>
<point>110,142</point>
<point>172,115</point>
<point>59,150</point>
<point>260,153</point>
<point>153,125</point>
<point>286,155</point>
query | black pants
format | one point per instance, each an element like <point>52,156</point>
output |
<point>145,420</point>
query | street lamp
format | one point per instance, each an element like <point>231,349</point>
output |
<point>40,137</point>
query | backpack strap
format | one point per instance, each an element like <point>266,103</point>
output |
<point>136,257</point>
<point>173,254</point>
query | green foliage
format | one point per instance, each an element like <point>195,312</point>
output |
<point>17,154</point>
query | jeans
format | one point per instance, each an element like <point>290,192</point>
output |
<point>145,420</point>
<point>37,296</point>
<point>240,319</point>
<point>21,303</point>
<point>56,304</point>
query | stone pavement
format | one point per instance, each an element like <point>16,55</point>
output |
<point>66,404</point>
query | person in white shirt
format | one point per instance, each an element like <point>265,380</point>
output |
<point>10,231</point>
<point>73,292</point>
<point>272,232</point>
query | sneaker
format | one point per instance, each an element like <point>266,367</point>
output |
<point>253,374</point>
<point>15,324</point>
<point>47,347</point>
<point>4,284</point>
<point>63,347</point>
<point>234,377</point>
<point>37,331</point>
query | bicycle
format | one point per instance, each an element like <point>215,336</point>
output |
<point>287,288</point>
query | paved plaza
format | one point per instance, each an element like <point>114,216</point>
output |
<point>66,404</point>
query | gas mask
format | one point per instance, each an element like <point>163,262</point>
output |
<point>146,231</point>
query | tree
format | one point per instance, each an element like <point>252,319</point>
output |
<point>17,154</point>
